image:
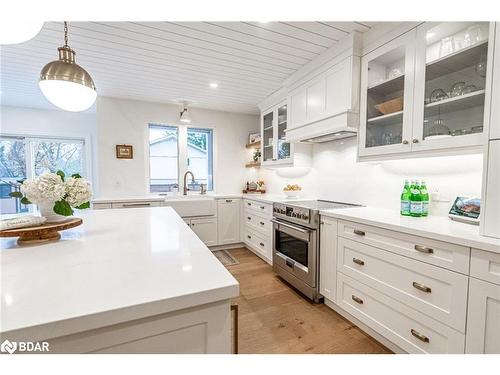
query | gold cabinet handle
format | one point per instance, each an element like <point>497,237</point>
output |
<point>261,244</point>
<point>424,249</point>
<point>415,140</point>
<point>421,287</point>
<point>249,237</point>
<point>249,218</point>
<point>358,261</point>
<point>229,200</point>
<point>405,142</point>
<point>359,232</point>
<point>357,299</point>
<point>419,336</point>
<point>262,207</point>
<point>262,223</point>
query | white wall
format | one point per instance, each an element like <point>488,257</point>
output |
<point>52,123</point>
<point>122,121</point>
<point>336,175</point>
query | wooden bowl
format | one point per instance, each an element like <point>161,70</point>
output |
<point>41,233</point>
<point>390,106</point>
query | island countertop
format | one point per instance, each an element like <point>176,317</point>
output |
<point>120,265</point>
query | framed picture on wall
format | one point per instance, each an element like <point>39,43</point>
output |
<point>254,137</point>
<point>124,152</point>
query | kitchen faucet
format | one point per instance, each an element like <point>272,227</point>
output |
<point>185,181</point>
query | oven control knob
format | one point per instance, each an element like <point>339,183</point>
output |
<point>305,217</point>
<point>294,214</point>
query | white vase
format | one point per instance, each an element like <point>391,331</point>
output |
<point>47,211</point>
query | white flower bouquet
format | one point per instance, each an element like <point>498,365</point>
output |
<point>54,192</point>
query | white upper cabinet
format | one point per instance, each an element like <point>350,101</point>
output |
<point>428,90</point>
<point>452,84</point>
<point>387,80</point>
<point>275,149</point>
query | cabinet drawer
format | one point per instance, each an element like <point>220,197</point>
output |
<point>135,204</point>
<point>260,223</point>
<point>443,254</point>
<point>433,291</point>
<point>101,206</point>
<point>258,243</point>
<point>407,328</point>
<point>485,266</point>
<point>264,208</point>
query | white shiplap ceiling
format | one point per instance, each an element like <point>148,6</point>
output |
<point>167,61</point>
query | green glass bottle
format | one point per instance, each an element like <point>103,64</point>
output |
<point>415,200</point>
<point>405,199</point>
<point>425,198</point>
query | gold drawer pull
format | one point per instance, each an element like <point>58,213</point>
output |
<point>421,287</point>
<point>359,232</point>
<point>249,237</point>
<point>358,261</point>
<point>261,244</point>
<point>249,204</point>
<point>419,336</point>
<point>262,223</point>
<point>357,299</point>
<point>424,249</point>
<point>249,218</point>
<point>262,207</point>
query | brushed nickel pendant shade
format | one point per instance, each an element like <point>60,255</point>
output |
<point>65,83</point>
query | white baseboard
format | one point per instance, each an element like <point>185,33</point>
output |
<point>364,327</point>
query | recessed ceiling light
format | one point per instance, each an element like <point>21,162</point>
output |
<point>214,85</point>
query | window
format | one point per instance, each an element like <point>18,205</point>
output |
<point>173,151</point>
<point>163,158</point>
<point>27,157</point>
<point>200,156</point>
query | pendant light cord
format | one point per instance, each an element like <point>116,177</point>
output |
<point>66,34</point>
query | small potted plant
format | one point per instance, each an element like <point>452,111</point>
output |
<point>55,195</point>
<point>256,155</point>
<point>260,184</point>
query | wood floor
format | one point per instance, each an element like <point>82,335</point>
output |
<point>274,318</point>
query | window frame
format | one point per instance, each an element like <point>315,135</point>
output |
<point>182,154</point>
<point>28,137</point>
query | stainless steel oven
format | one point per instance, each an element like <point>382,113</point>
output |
<point>296,243</point>
<point>295,256</point>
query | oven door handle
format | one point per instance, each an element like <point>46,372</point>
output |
<point>307,231</point>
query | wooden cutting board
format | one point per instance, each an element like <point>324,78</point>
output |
<point>41,233</point>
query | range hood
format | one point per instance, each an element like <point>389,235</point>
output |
<point>331,137</point>
<point>330,129</point>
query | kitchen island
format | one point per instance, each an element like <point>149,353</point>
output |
<point>126,281</point>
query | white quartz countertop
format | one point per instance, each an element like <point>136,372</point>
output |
<point>118,266</point>
<point>435,227</point>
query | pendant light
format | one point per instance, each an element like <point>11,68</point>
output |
<point>66,84</point>
<point>184,116</point>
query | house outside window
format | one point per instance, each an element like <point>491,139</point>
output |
<point>173,151</point>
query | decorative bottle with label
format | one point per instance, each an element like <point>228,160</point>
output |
<point>415,199</point>
<point>405,199</point>
<point>425,198</point>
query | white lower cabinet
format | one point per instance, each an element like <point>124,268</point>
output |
<point>257,229</point>
<point>328,259</point>
<point>205,229</point>
<point>483,322</point>
<point>228,221</point>
<point>417,293</point>
<point>404,326</point>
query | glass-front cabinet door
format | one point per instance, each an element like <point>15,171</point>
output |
<point>452,75</point>
<point>282,147</point>
<point>268,136</point>
<point>387,96</point>
<point>276,150</point>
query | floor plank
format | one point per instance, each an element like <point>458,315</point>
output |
<point>274,318</point>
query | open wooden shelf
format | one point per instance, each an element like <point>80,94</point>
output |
<point>253,145</point>
<point>253,164</point>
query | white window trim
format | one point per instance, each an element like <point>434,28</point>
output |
<point>181,153</point>
<point>87,149</point>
